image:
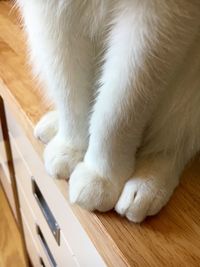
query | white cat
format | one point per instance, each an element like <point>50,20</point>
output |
<point>128,115</point>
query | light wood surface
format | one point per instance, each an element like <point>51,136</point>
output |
<point>11,252</point>
<point>171,238</point>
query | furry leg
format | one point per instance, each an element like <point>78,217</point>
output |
<point>150,187</point>
<point>63,59</point>
<point>132,84</point>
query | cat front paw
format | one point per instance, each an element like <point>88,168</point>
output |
<point>47,127</point>
<point>91,191</point>
<point>61,159</point>
<point>143,197</point>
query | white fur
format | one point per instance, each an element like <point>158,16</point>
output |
<point>47,127</point>
<point>90,191</point>
<point>61,158</point>
<point>149,189</point>
<point>133,49</point>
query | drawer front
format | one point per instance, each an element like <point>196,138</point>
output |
<point>30,243</point>
<point>36,219</point>
<point>34,197</point>
<point>51,254</point>
<point>29,219</point>
<point>72,232</point>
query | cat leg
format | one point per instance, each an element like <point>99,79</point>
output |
<point>68,146</point>
<point>150,188</point>
<point>63,59</point>
<point>132,83</point>
<point>171,141</point>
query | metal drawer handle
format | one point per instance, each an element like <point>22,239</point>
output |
<point>41,262</point>
<point>53,225</point>
<point>46,248</point>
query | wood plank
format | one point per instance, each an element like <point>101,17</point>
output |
<point>171,238</point>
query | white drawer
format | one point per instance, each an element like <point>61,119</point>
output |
<point>61,252</point>
<point>30,243</point>
<point>29,218</point>
<point>71,230</point>
<point>53,255</point>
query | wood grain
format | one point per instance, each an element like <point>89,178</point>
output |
<point>11,251</point>
<point>171,238</point>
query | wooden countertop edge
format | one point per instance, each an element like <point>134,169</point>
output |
<point>92,224</point>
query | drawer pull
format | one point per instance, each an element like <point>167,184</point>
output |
<point>42,263</point>
<point>53,225</point>
<point>46,248</point>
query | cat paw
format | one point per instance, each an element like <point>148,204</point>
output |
<point>91,191</point>
<point>61,159</point>
<point>47,127</point>
<point>143,197</point>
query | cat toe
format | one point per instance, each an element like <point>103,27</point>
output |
<point>47,127</point>
<point>61,159</point>
<point>91,191</point>
<point>141,198</point>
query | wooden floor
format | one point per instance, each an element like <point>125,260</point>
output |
<point>11,253</point>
